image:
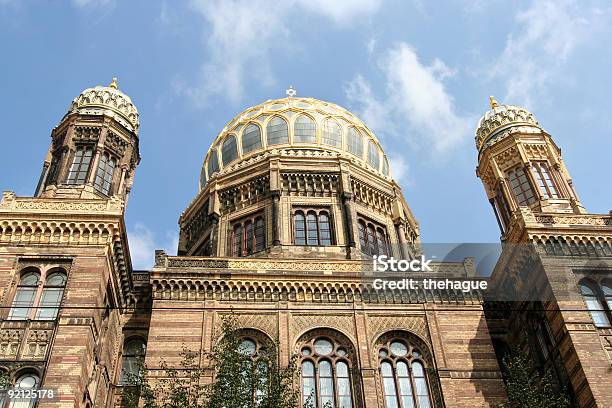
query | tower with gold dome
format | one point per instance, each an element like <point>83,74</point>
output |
<point>553,280</point>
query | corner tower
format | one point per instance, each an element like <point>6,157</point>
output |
<point>94,148</point>
<point>521,166</point>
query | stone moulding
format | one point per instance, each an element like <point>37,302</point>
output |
<point>11,203</point>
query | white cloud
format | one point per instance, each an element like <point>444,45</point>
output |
<point>400,169</point>
<point>93,3</point>
<point>416,105</point>
<point>241,35</point>
<point>143,244</point>
<point>549,33</point>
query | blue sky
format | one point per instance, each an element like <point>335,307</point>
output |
<point>418,73</point>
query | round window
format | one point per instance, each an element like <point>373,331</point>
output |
<point>399,349</point>
<point>323,347</point>
<point>247,347</point>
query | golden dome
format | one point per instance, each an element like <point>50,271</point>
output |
<point>499,118</point>
<point>307,126</point>
<point>110,100</point>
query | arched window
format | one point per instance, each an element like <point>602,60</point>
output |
<point>300,228</point>
<point>213,163</point>
<point>104,174</point>
<point>402,370</point>
<point>51,298</point>
<point>305,130</point>
<point>381,240</point>
<point>25,296</point>
<point>331,133</point>
<point>257,348</point>
<point>80,165</point>
<point>373,155</point>
<point>326,374</point>
<point>237,240</point>
<point>354,142</point>
<point>277,132</point>
<point>363,241</point>
<point>312,231</point>
<point>260,234</point>
<point>134,351</point>
<point>593,303</point>
<point>544,179</point>
<point>521,187</point>
<point>312,227</point>
<point>229,150</point>
<point>372,243</point>
<point>25,382</point>
<point>251,139</point>
<point>248,235</point>
<point>385,169</point>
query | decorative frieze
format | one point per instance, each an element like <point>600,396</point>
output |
<point>310,184</point>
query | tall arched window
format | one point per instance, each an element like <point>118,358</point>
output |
<point>229,150</point>
<point>594,305</point>
<point>25,296</point>
<point>237,240</point>
<point>251,139</point>
<point>402,370</point>
<point>305,130</point>
<point>363,241</point>
<point>80,165</point>
<point>134,351</point>
<point>260,234</point>
<point>385,169</point>
<point>312,227</point>
<point>312,230</point>
<point>51,298</point>
<point>104,174</point>
<point>606,288</point>
<point>373,238</point>
<point>213,163</point>
<point>354,142</point>
<point>326,373</point>
<point>373,155</point>
<point>277,131</point>
<point>521,187</point>
<point>544,179</point>
<point>331,133</point>
<point>25,382</point>
<point>299,228</point>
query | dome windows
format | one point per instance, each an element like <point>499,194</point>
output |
<point>305,130</point>
<point>277,131</point>
<point>373,155</point>
<point>354,142</point>
<point>251,139</point>
<point>213,163</point>
<point>229,150</point>
<point>332,133</point>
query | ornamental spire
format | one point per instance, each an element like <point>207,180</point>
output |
<point>113,83</point>
<point>493,102</point>
<point>291,92</point>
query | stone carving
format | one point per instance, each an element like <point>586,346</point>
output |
<point>109,98</point>
<point>301,323</point>
<point>87,133</point>
<point>116,143</point>
<point>499,116</point>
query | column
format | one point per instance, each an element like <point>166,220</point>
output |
<point>348,219</point>
<point>275,218</point>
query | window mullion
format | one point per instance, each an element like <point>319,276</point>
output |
<point>37,298</point>
<point>398,389</point>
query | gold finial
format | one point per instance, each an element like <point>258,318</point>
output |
<point>113,83</point>
<point>493,102</point>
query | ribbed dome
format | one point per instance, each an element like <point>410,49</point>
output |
<point>294,123</point>
<point>109,100</point>
<point>501,117</point>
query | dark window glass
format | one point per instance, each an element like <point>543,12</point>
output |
<point>300,228</point>
<point>133,358</point>
<point>324,229</point>
<point>51,298</point>
<point>213,163</point>
<point>237,240</point>
<point>277,132</point>
<point>312,231</point>
<point>229,150</point>
<point>80,165</point>
<point>372,244</point>
<point>260,236</point>
<point>594,305</point>
<point>363,235</point>
<point>382,242</point>
<point>251,139</point>
<point>104,174</point>
<point>25,296</point>
<point>249,237</point>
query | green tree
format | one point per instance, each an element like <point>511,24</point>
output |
<point>240,381</point>
<point>526,388</point>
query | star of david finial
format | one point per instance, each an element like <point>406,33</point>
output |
<point>290,92</point>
